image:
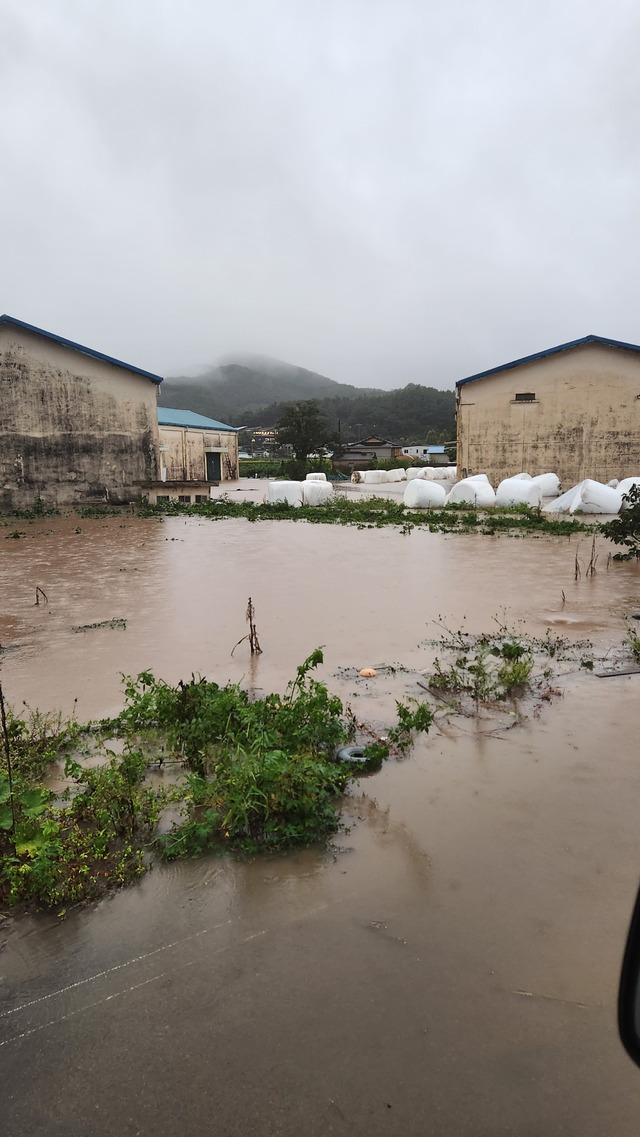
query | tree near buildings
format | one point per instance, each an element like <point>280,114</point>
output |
<point>305,429</point>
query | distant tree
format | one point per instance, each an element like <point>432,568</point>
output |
<point>305,429</point>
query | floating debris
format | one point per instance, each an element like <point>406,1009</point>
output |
<point>116,622</point>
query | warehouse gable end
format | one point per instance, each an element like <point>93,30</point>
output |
<point>572,409</point>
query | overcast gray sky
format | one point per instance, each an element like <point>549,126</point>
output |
<point>385,191</point>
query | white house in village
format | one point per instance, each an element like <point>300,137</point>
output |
<point>435,455</point>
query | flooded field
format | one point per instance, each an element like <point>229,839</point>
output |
<point>449,964</point>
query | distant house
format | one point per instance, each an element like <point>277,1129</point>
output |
<point>76,425</point>
<point>434,455</point>
<point>358,454</point>
<point>196,452</point>
<point>262,439</point>
<point>572,409</point>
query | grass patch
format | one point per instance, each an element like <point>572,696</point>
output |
<point>375,513</point>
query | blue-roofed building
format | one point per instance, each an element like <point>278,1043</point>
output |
<point>573,410</point>
<point>196,453</point>
<point>76,425</point>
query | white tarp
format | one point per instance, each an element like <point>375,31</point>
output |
<point>290,492</point>
<point>587,497</point>
<point>421,494</point>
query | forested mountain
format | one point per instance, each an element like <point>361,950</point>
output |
<point>405,415</point>
<point>253,392</point>
<point>231,390</point>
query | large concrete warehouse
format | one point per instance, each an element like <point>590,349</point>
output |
<point>75,425</point>
<point>573,409</point>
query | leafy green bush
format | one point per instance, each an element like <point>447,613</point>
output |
<point>260,773</point>
<point>625,529</point>
<point>488,668</point>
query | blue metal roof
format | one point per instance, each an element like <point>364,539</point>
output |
<point>435,449</point>
<point>549,351</point>
<point>79,347</point>
<point>168,416</point>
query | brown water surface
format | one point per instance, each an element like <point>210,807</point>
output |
<point>448,965</point>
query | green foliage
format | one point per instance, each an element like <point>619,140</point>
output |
<point>376,512</point>
<point>258,396</point>
<point>413,717</point>
<point>625,529</point>
<point>488,668</point>
<point>262,468</point>
<point>37,510</point>
<point>305,429</point>
<point>36,740</point>
<point>633,639</point>
<point>65,853</point>
<point>261,773</point>
<point>202,723</point>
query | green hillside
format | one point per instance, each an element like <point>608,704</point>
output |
<point>253,392</point>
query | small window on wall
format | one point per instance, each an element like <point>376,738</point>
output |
<point>525,397</point>
<point>184,497</point>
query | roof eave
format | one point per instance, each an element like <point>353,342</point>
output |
<point>549,351</point>
<point>89,351</point>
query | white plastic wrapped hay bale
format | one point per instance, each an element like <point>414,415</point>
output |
<point>289,492</point>
<point>428,474</point>
<point>414,472</point>
<point>396,475</point>
<point>316,478</point>
<point>472,491</point>
<point>374,477</point>
<point>527,477</point>
<point>518,491</point>
<point>549,484</point>
<point>421,494</point>
<point>477,478</point>
<point>316,493</point>
<point>625,485</point>
<point>598,498</point>
<point>357,476</point>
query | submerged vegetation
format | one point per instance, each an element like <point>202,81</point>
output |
<point>251,774</point>
<point>502,666</point>
<point>375,513</point>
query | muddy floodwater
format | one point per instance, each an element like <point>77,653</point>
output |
<point>448,965</point>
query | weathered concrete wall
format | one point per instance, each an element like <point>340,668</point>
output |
<point>185,456</point>
<point>584,422</point>
<point>72,428</point>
